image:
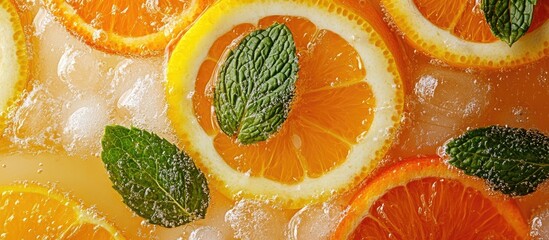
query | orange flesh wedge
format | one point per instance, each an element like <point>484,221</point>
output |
<point>137,27</point>
<point>465,19</point>
<point>443,201</point>
<point>426,199</point>
<point>456,32</point>
<point>331,109</point>
<point>33,212</point>
<point>130,18</point>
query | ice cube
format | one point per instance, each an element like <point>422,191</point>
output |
<point>78,67</point>
<point>451,93</point>
<point>315,221</point>
<point>81,70</point>
<point>256,220</point>
<point>54,41</point>
<point>425,88</point>
<point>126,71</point>
<point>443,104</point>
<point>35,123</point>
<point>84,121</point>
<point>206,233</point>
<point>139,95</point>
<point>219,206</point>
<point>202,228</point>
<point>145,104</point>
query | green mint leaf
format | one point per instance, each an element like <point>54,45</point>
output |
<point>156,180</point>
<point>512,160</point>
<point>508,19</point>
<point>256,84</point>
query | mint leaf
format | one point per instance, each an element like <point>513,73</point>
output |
<point>512,160</point>
<point>156,180</point>
<point>508,19</point>
<point>256,84</point>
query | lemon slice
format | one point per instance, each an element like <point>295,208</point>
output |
<point>13,58</point>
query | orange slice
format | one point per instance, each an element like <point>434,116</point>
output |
<point>456,31</point>
<point>343,117</point>
<point>33,212</point>
<point>426,199</point>
<point>13,59</point>
<point>136,27</point>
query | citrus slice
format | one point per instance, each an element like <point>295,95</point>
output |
<point>137,27</point>
<point>13,58</point>
<point>456,32</point>
<point>30,211</point>
<point>342,119</point>
<point>426,199</point>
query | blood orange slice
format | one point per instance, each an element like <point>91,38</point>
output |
<point>426,199</point>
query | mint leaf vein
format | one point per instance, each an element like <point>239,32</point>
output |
<point>256,84</point>
<point>512,160</point>
<point>156,180</point>
<point>508,19</point>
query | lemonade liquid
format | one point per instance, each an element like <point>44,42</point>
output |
<point>53,137</point>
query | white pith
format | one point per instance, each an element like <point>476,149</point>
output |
<point>407,17</point>
<point>383,83</point>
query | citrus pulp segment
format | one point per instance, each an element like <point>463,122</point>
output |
<point>138,28</point>
<point>29,211</point>
<point>13,58</point>
<point>343,118</point>
<point>456,32</point>
<point>426,199</point>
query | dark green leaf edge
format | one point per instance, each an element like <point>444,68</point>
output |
<point>509,20</point>
<point>113,153</point>
<point>246,111</point>
<point>512,160</point>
